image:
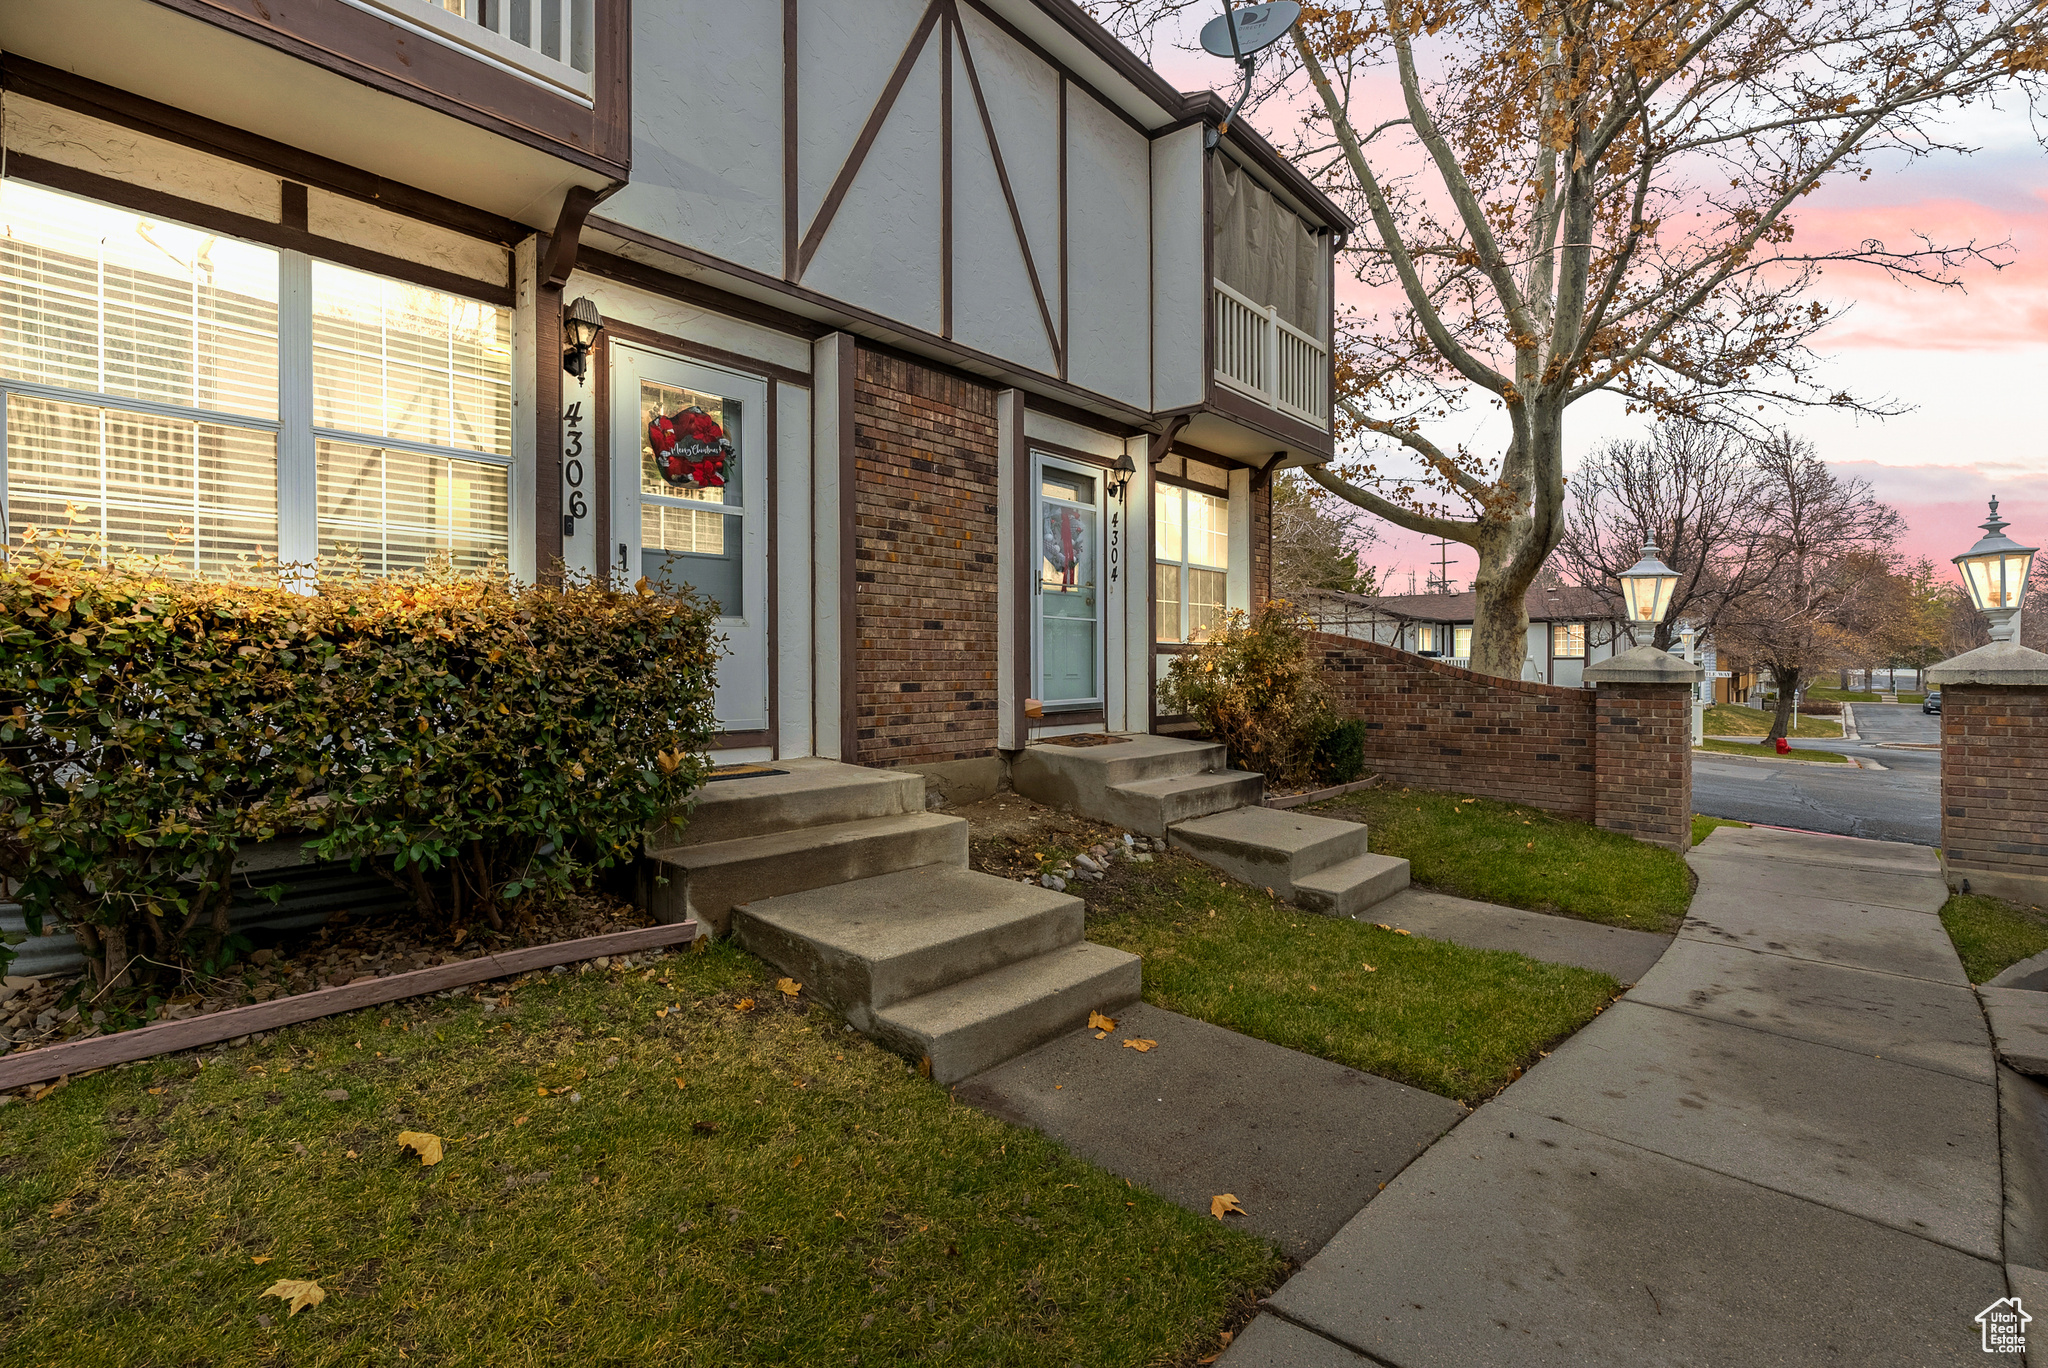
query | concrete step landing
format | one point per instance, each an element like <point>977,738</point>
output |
<point>1087,780</point>
<point>708,880</point>
<point>983,1021</point>
<point>872,943</point>
<point>1314,862</point>
<point>1153,805</point>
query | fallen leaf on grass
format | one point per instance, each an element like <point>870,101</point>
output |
<point>426,1145</point>
<point>1400,931</point>
<point>1098,1022</point>
<point>351,1155</point>
<point>1383,926</point>
<point>62,1208</point>
<point>1225,1204</point>
<point>1141,1046</point>
<point>1370,969</point>
<point>681,1084</point>
<point>744,1005</point>
<point>301,1293</point>
<point>790,987</point>
<point>260,1258</point>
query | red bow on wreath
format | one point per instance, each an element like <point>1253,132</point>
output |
<point>690,449</point>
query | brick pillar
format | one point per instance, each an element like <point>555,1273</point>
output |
<point>1642,746</point>
<point>1994,771</point>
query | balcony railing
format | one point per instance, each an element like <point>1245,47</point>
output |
<point>550,42</point>
<point>1261,354</point>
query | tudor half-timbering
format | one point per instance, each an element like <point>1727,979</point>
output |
<point>939,344</point>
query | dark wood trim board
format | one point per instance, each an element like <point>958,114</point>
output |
<point>59,1061</point>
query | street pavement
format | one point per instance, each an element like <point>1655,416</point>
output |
<point>1901,802</point>
<point>1782,1147</point>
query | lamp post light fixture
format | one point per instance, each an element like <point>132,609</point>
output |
<point>1995,572</point>
<point>1120,473</point>
<point>580,327</point>
<point>1646,588</point>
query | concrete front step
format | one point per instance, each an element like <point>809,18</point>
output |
<point>812,793</point>
<point>868,945</point>
<point>983,1021</point>
<point>707,881</point>
<point>1267,848</point>
<point>1349,887</point>
<point>1079,778</point>
<point>1153,805</point>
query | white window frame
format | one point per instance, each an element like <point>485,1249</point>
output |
<point>1186,562</point>
<point>1567,628</point>
<point>297,439</point>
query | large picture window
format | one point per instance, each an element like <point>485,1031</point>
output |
<point>1191,559</point>
<point>145,401</point>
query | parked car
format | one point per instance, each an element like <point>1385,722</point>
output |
<point>1931,703</point>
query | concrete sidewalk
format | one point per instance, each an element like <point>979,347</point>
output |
<point>1781,1148</point>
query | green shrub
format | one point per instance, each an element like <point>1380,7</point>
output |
<point>1255,686</point>
<point>1340,752</point>
<point>469,737</point>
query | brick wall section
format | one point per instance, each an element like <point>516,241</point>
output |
<point>1643,762</point>
<point>924,564</point>
<point>1436,727</point>
<point>1994,782</point>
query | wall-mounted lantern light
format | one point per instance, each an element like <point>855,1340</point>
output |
<point>1646,588</point>
<point>580,327</point>
<point>1120,475</point>
<point>1995,572</point>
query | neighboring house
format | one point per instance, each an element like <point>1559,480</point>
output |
<point>1569,627</point>
<point>891,289</point>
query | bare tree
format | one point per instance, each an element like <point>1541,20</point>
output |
<point>1828,539</point>
<point>1694,490</point>
<point>1317,542</point>
<point>1571,197</point>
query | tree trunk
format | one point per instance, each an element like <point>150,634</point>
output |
<point>1788,692</point>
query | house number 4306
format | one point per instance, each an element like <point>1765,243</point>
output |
<point>574,505</point>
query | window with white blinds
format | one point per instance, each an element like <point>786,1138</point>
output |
<point>1191,560</point>
<point>140,365</point>
<point>410,387</point>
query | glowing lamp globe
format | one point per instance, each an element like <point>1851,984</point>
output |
<point>1646,588</point>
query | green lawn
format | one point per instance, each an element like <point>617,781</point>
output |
<point>1523,857</point>
<point>1703,826</point>
<point>1456,1021</point>
<point>1991,934</point>
<point>1730,719</point>
<point>1752,748</point>
<point>704,1187</point>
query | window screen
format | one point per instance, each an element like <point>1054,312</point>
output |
<point>430,374</point>
<point>140,364</point>
<point>140,360</point>
<point>1191,556</point>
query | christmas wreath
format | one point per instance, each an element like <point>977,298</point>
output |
<point>690,449</point>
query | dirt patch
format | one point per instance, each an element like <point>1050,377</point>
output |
<point>1014,838</point>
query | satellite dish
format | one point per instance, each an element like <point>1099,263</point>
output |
<point>1258,26</point>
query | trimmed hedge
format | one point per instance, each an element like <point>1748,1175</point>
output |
<point>481,743</point>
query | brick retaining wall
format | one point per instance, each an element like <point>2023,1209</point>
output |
<point>1438,727</point>
<point>1619,756</point>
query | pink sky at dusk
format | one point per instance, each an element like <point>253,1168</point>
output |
<point>1971,364</point>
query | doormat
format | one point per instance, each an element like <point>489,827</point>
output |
<point>1082,739</point>
<point>743,772</point>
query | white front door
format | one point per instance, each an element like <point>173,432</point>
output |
<point>1066,619</point>
<point>690,504</point>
